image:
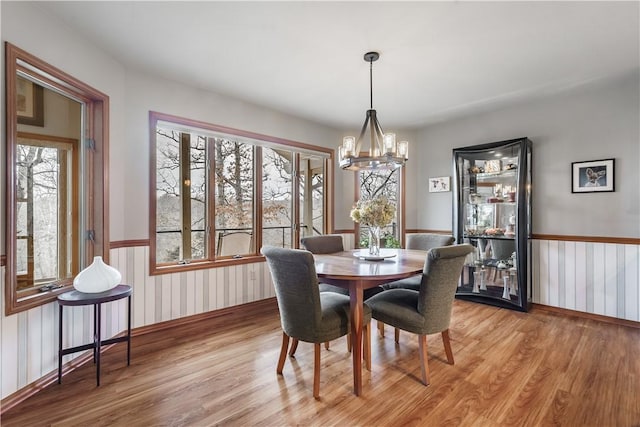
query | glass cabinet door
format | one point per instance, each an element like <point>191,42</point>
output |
<point>492,210</point>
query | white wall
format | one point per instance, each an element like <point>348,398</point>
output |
<point>591,122</point>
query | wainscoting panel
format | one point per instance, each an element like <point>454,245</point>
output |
<point>597,278</point>
<point>172,296</point>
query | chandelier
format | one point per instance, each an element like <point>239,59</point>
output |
<point>384,153</point>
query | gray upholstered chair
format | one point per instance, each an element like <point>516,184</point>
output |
<point>328,244</point>
<point>427,311</point>
<point>423,242</point>
<point>305,313</point>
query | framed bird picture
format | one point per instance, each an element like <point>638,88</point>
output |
<point>592,176</point>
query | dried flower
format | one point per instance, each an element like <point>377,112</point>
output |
<point>376,212</point>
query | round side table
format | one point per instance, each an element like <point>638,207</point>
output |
<point>76,298</point>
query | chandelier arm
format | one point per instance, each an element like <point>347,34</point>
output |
<point>379,133</point>
<point>376,140</point>
<point>359,140</point>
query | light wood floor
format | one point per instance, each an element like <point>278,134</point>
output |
<point>511,369</point>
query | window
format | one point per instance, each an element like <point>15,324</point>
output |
<point>220,193</point>
<point>55,181</point>
<point>377,183</point>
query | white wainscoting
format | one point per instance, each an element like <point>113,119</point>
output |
<point>597,278</point>
<point>29,339</point>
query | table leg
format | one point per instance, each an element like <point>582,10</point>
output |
<point>129,330</point>
<point>95,329</point>
<point>60,347</point>
<point>356,309</point>
<point>98,344</point>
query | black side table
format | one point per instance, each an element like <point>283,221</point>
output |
<point>76,298</point>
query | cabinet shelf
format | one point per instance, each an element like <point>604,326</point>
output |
<point>487,236</point>
<point>494,203</point>
<point>509,173</point>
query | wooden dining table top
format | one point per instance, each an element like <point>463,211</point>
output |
<point>347,265</point>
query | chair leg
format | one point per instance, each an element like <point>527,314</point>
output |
<point>381,328</point>
<point>447,346</point>
<point>397,335</point>
<point>316,371</point>
<point>366,351</point>
<point>283,353</point>
<point>349,342</point>
<point>424,363</point>
<point>294,347</point>
<point>326,345</point>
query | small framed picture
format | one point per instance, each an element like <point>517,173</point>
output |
<point>592,176</point>
<point>437,185</point>
<point>30,102</point>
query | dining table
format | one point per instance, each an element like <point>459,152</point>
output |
<point>357,270</point>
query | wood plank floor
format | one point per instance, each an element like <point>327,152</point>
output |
<point>511,368</point>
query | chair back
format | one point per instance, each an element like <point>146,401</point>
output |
<point>294,276</point>
<point>427,241</point>
<point>323,244</point>
<point>442,270</point>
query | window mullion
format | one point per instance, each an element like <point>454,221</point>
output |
<point>257,198</point>
<point>185,193</point>
<point>210,201</point>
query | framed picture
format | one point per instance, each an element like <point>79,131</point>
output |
<point>437,185</point>
<point>593,176</point>
<point>30,102</point>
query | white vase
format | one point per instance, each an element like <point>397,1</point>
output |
<point>98,277</point>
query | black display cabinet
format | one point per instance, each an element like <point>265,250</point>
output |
<point>492,211</point>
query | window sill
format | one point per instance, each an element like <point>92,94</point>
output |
<point>34,300</point>
<point>226,262</point>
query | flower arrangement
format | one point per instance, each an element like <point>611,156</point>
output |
<point>376,212</point>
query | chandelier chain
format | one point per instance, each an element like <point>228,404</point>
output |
<point>371,83</point>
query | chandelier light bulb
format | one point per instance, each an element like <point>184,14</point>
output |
<point>390,143</point>
<point>403,149</point>
<point>349,145</point>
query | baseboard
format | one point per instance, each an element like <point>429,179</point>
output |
<point>268,303</point>
<point>52,377</point>
<point>583,315</point>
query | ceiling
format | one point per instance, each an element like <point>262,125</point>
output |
<point>438,60</point>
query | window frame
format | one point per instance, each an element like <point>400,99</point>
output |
<point>259,141</point>
<point>95,178</point>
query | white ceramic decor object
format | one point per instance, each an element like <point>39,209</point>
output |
<point>98,277</point>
